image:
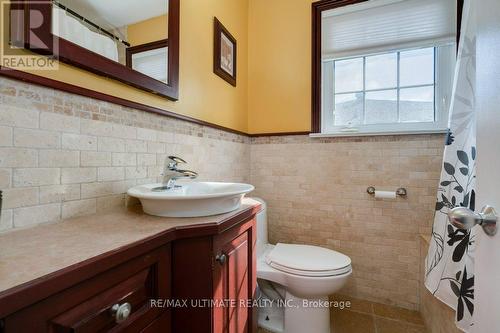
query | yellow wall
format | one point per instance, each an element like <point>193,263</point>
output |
<point>203,95</point>
<point>147,31</point>
<point>273,92</point>
<point>279,66</point>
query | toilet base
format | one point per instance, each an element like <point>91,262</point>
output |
<point>311,317</point>
<point>293,316</point>
<point>271,318</point>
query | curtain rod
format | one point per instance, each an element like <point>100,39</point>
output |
<point>80,17</point>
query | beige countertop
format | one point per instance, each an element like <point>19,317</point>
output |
<point>32,253</point>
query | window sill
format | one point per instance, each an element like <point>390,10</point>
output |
<point>360,133</point>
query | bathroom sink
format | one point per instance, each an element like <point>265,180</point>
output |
<point>190,199</point>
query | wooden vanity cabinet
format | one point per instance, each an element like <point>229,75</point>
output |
<point>218,280</point>
<point>201,266</point>
<point>234,280</point>
<point>88,305</point>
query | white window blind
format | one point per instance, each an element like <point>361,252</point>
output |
<point>383,25</point>
<point>153,63</point>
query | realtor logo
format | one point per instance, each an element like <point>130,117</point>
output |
<point>23,30</point>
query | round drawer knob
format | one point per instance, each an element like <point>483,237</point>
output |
<point>121,311</point>
<point>221,258</point>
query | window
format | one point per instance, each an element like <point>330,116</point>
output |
<point>394,92</point>
<point>386,67</point>
<point>150,59</point>
<point>153,63</point>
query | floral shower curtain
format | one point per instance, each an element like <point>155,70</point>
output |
<point>449,271</point>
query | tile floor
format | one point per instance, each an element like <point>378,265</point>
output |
<point>368,317</point>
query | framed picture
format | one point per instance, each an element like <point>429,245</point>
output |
<point>224,53</point>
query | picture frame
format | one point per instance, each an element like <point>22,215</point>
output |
<point>225,53</point>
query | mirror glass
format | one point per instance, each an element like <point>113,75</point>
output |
<point>131,32</point>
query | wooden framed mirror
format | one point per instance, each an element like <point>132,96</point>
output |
<point>99,36</point>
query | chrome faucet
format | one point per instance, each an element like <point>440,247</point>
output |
<point>171,173</point>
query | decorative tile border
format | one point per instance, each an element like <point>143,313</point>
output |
<point>18,94</point>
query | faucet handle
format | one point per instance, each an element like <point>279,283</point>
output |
<point>172,161</point>
<point>176,159</point>
<point>189,174</point>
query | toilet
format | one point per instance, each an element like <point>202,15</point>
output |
<point>295,281</point>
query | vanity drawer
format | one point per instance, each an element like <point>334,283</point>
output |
<point>91,305</point>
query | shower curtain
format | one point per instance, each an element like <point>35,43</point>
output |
<point>71,29</point>
<point>449,266</point>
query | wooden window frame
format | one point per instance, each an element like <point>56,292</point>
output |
<point>317,9</point>
<point>130,51</point>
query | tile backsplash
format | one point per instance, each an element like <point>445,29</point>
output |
<point>63,155</point>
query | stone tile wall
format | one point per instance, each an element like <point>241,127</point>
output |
<point>316,192</point>
<point>63,155</point>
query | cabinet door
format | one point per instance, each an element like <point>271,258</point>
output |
<point>234,275</point>
<point>89,305</point>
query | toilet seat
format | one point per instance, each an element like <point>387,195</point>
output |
<point>308,260</point>
<point>301,283</point>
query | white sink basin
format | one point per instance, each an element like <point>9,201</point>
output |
<point>191,199</point>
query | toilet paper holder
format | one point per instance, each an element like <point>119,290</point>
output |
<point>399,192</point>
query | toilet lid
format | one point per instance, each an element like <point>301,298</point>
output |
<point>308,260</point>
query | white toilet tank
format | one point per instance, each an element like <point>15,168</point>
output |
<point>261,219</point>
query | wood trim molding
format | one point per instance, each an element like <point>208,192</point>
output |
<point>317,8</point>
<point>142,48</point>
<point>43,81</point>
<point>71,48</point>
<point>257,135</point>
<point>50,83</point>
